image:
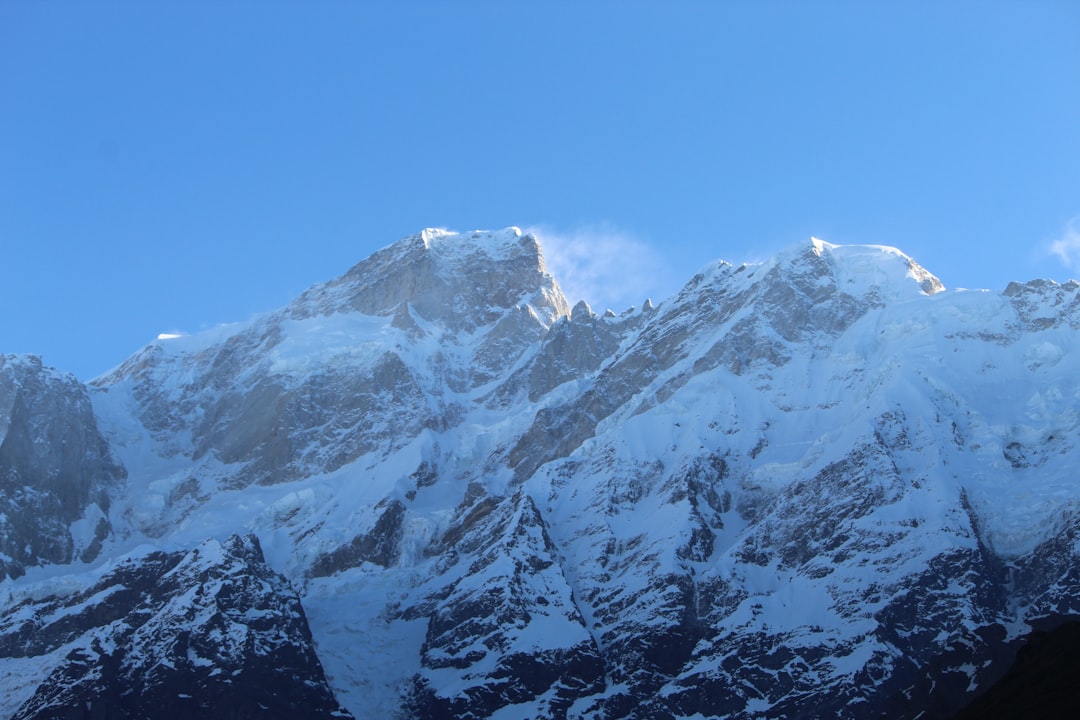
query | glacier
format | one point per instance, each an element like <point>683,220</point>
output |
<point>821,485</point>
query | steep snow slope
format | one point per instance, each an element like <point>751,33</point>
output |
<point>818,486</point>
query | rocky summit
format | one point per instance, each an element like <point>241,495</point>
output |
<point>820,486</point>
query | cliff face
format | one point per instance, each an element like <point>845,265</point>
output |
<point>56,469</point>
<point>359,366</point>
<point>819,486</point>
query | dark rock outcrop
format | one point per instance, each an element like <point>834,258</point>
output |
<point>211,633</point>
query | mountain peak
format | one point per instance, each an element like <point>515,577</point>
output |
<point>492,242</point>
<point>879,266</point>
<point>464,279</point>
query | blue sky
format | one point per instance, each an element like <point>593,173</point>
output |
<point>170,166</point>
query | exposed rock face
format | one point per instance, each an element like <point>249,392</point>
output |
<point>463,283</point>
<point>503,629</point>
<point>821,486</point>
<point>380,546</point>
<point>332,377</point>
<point>1043,304</point>
<point>210,633</point>
<point>55,468</point>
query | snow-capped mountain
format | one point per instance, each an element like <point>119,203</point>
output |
<point>822,486</point>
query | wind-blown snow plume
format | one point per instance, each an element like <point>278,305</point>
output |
<point>1067,247</point>
<point>605,266</point>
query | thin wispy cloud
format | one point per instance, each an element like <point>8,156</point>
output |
<point>1067,247</point>
<point>607,267</point>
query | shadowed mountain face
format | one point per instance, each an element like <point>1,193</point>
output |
<point>210,633</point>
<point>1040,683</point>
<point>55,469</point>
<point>822,486</point>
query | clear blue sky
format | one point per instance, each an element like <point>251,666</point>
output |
<point>169,166</point>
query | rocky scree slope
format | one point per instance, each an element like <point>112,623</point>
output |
<point>817,486</point>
